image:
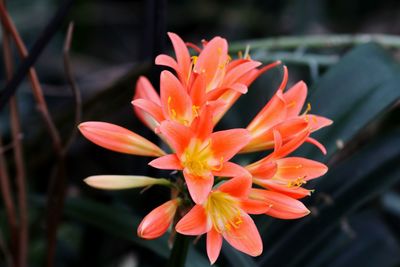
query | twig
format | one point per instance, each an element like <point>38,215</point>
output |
<point>318,41</point>
<point>57,184</point>
<point>74,87</point>
<point>23,235</point>
<point>36,87</point>
<point>8,203</point>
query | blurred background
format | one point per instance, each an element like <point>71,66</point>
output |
<point>354,79</point>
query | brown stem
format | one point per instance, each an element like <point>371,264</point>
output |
<point>18,157</point>
<point>36,87</point>
<point>8,202</point>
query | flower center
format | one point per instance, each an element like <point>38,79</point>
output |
<point>224,211</point>
<point>196,158</point>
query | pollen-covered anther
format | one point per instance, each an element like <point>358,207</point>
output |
<point>297,183</point>
<point>220,166</point>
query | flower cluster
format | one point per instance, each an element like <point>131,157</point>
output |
<point>215,195</point>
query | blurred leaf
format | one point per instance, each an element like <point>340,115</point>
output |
<point>352,93</point>
<point>369,243</point>
<point>121,223</point>
<point>362,177</point>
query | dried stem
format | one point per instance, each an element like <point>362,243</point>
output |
<point>36,87</point>
<point>19,160</point>
<point>74,87</point>
<point>8,202</point>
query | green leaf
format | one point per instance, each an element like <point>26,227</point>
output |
<point>361,87</point>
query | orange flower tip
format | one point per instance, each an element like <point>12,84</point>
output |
<point>118,182</point>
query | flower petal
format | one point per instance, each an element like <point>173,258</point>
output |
<point>230,169</point>
<point>144,108</point>
<point>317,144</point>
<point>281,206</point>
<point>182,56</point>
<point>199,187</point>
<point>262,169</point>
<point>115,182</point>
<point>194,222</point>
<point>252,206</point>
<point>238,187</point>
<point>214,244</point>
<point>294,192</point>
<point>225,144</point>
<point>156,223</point>
<point>295,98</point>
<point>167,61</point>
<point>295,167</point>
<point>118,139</point>
<point>175,101</point>
<point>145,90</point>
<point>233,75</point>
<point>245,237</point>
<point>167,162</point>
<point>177,135</point>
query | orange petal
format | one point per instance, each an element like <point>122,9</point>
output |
<point>230,169</point>
<point>119,139</point>
<point>175,101</point>
<point>295,167</point>
<point>156,223</point>
<point>262,169</point>
<point>212,61</point>
<point>317,144</point>
<point>317,122</point>
<point>281,206</point>
<point>167,61</point>
<point>252,206</point>
<point>116,182</point>
<point>199,187</point>
<point>225,144</point>
<point>177,135</point>
<point>214,244</point>
<point>145,90</point>
<point>273,113</point>
<point>148,112</point>
<point>294,192</point>
<point>182,56</point>
<point>237,187</point>
<point>167,162</point>
<point>194,222</point>
<point>291,145</point>
<point>295,98</point>
<point>234,74</point>
<point>198,90</point>
<point>203,124</point>
<point>245,237</point>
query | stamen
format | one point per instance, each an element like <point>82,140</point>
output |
<point>240,54</point>
<point>221,165</point>
<point>195,110</point>
<point>308,109</point>
<point>171,111</point>
<point>297,183</point>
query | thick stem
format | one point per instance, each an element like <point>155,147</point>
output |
<point>179,251</point>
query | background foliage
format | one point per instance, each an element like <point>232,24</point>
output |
<point>356,206</point>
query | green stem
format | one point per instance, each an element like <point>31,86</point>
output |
<point>317,41</point>
<point>179,251</point>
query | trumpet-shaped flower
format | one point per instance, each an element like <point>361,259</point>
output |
<point>286,174</point>
<point>224,214</point>
<point>157,222</point>
<point>202,154</point>
<point>119,139</point>
<point>282,114</point>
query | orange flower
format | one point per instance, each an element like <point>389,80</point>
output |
<point>157,222</point>
<point>119,139</point>
<point>224,214</point>
<point>282,114</point>
<point>286,174</point>
<point>201,154</point>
